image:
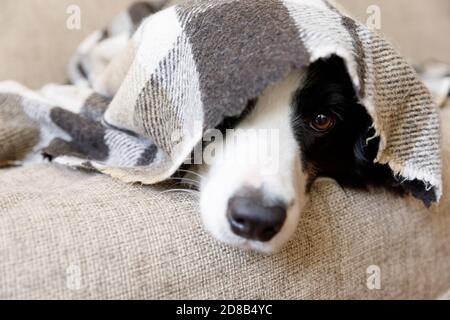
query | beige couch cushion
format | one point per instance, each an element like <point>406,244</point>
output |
<point>35,44</point>
<point>134,242</point>
<point>60,228</point>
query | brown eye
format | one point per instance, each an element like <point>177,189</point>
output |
<point>322,123</point>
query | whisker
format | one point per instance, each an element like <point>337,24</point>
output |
<point>193,192</point>
<point>190,186</point>
<point>193,172</point>
<point>186,180</point>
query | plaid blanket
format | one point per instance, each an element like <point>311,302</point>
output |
<point>146,88</point>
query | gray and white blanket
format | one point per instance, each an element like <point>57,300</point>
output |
<point>145,89</point>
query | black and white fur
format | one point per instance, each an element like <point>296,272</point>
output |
<point>345,153</point>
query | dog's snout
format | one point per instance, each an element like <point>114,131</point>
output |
<point>251,219</point>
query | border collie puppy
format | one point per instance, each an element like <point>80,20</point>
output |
<point>308,126</point>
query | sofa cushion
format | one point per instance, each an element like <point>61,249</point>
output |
<point>73,234</point>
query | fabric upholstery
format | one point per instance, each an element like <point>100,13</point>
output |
<point>138,243</point>
<point>135,242</point>
<point>416,27</point>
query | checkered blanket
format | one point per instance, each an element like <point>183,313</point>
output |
<point>147,87</point>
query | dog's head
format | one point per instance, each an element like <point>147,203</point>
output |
<point>308,126</point>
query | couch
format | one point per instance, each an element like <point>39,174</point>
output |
<point>70,234</point>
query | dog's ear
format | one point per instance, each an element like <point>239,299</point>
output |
<point>406,122</point>
<point>366,150</point>
<point>419,190</point>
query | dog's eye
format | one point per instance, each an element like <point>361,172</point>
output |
<point>322,123</point>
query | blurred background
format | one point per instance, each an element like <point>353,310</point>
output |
<point>35,44</point>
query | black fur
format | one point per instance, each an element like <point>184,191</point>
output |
<point>347,151</point>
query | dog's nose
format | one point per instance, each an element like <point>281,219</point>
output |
<point>251,219</point>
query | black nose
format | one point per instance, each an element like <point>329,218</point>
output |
<point>251,219</point>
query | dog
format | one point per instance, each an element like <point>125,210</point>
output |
<point>257,169</point>
<point>322,132</point>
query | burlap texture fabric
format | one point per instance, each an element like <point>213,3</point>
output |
<point>134,243</point>
<point>75,235</point>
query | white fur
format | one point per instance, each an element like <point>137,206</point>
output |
<point>224,176</point>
